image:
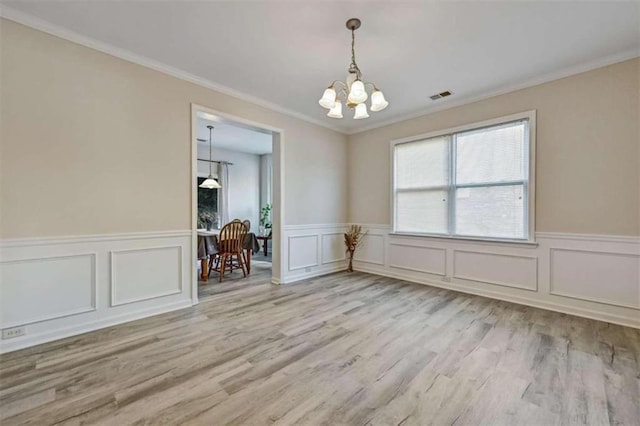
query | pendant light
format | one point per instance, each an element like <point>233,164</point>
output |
<point>353,91</point>
<point>210,182</point>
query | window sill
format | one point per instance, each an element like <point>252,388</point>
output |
<point>488,241</point>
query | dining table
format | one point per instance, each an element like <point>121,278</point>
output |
<point>208,246</point>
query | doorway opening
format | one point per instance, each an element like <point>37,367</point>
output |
<point>236,177</point>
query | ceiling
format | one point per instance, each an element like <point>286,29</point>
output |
<point>285,53</point>
<point>231,136</point>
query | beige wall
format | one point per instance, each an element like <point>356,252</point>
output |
<point>92,144</point>
<point>82,133</point>
<point>588,151</point>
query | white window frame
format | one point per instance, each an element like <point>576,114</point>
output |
<point>529,185</point>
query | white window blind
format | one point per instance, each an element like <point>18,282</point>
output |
<point>472,183</point>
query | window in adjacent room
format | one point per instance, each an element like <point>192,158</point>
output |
<point>208,217</point>
<point>471,182</point>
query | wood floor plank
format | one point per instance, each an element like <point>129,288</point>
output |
<point>343,349</point>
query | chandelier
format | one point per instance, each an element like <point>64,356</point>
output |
<point>353,90</point>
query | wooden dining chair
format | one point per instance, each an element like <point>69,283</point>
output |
<point>230,242</point>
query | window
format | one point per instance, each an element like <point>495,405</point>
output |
<point>207,207</point>
<point>469,182</point>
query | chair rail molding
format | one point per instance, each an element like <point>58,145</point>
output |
<point>593,276</point>
<point>90,282</point>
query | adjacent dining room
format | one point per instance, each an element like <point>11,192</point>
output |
<point>234,186</point>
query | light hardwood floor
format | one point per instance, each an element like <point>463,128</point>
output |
<point>345,349</point>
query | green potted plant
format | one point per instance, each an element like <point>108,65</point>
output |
<point>265,219</point>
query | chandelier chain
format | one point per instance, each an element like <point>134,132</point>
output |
<point>210,129</point>
<point>353,52</point>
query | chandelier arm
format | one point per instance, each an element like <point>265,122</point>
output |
<point>338,81</point>
<point>372,85</point>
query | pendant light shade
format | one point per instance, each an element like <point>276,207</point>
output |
<point>378,102</point>
<point>210,182</point>
<point>336,111</point>
<point>328,99</point>
<point>357,94</point>
<point>361,112</point>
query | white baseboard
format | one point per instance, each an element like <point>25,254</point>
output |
<point>314,274</point>
<point>54,288</point>
<point>73,330</point>
<point>592,276</point>
<point>628,321</point>
<point>96,281</point>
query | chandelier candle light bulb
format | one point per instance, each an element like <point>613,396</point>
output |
<point>353,91</point>
<point>361,112</point>
<point>328,99</point>
<point>357,94</point>
<point>378,102</point>
<point>336,111</point>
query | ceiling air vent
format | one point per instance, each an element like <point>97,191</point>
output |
<point>441,95</point>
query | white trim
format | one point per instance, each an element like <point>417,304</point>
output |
<point>194,204</point>
<point>376,226</point>
<point>321,250</point>
<point>66,34</point>
<point>589,237</point>
<point>544,296</point>
<point>99,248</point>
<point>75,239</point>
<point>525,115</point>
<point>490,241</point>
<point>536,81</point>
<point>555,292</point>
<point>528,186</point>
<point>631,239</point>
<point>628,321</point>
<point>112,275</point>
<point>425,271</point>
<point>315,227</point>
<point>501,283</point>
<point>314,274</point>
<point>94,288</point>
<point>84,327</point>
<point>69,35</point>
<point>318,254</point>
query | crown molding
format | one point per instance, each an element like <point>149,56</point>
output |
<point>66,34</point>
<point>72,36</point>
<point>545,78</point>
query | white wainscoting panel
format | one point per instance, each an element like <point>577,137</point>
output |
<point>79,284</point>
<point>313,250</point>
<point>333,248</point>
<point>42,289</point>
<point>594,276</point>
<point>145,273</point>
<point>417,258</point>
<point>496,268</point>
<point>371,250</point>
<point>303,251</point>
<point>603,277</point>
